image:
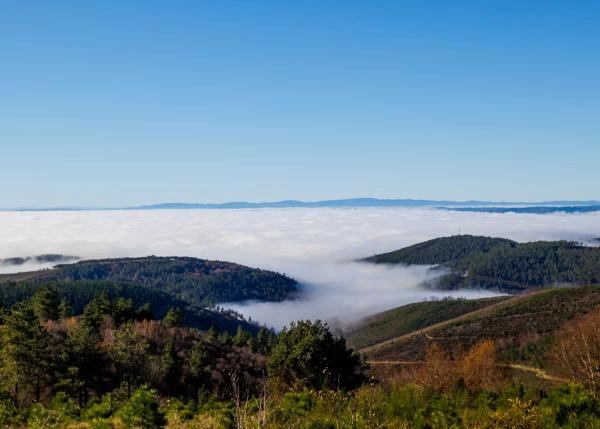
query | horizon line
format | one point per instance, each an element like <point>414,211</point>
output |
<point>292,203</point>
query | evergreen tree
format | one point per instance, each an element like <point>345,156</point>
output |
<point>45,304</point>
<point>307,355</point>
<point>173,318</point>
<point>142,410</point>
<point>64,309</point>
<point>241,337</point>
<point>170,363</point>
<point>145,312</point>
<point>82,357</point>
<point>129,352</point>
<point>123,310</point>
<point>96,311</point>
<point>25,353</point>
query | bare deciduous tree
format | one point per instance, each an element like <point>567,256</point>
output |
<point>577,352</point>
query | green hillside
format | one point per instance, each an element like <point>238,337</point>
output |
<point>522,327</point>
<point>500,264</point>
<point>78,293</point>
<point>411,317</point>
<point>193,285</point>
<point>444,250</point>
<point>193,280</point>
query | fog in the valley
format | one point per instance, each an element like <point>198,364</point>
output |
<point>314,246</point>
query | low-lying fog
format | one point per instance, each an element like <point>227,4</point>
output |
<point>315,246</point>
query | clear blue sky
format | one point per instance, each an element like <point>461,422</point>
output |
<point>110,103</point>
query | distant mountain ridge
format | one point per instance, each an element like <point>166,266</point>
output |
<point>363,202</point>
<point>529,209</point>
<point>470,205</point>
<point>350,202</point>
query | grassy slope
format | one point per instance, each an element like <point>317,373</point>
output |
<point>403,320</point>
<point>521,326</point>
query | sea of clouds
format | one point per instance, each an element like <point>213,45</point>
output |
<point>315,246</point>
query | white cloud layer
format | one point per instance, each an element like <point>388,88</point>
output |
<point>315,246</point>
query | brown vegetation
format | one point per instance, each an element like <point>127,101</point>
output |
<point>576,354</point>
<point>475,370</point>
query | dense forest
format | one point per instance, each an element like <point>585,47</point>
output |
<point>193,285</point>
<point>115,366</point>
<point>500,264</point>
<point>74,295</point>
<point>193,280</point>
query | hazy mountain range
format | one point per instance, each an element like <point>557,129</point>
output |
<point>471,205</point>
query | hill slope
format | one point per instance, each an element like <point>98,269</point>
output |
<point>522,327</point>
<point>444,250</point>
<point>500,264</point>
<point>191,284</point>
<point>193,280</point>
<point>408,318</point>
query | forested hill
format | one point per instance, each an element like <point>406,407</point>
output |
<point>189,284</point>
<point>193,280</point>
<point>500,264</point>
<point>444,250</point>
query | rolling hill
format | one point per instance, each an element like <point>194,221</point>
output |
<point>193,280</point>
<point>409,318</point>
<point>192,284</point>
<point>522,326</point>
<point>501,264</point>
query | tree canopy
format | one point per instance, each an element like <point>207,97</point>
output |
<point>308,355</point>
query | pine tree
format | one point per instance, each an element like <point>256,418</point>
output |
<point>129,352</point>
<point>25,353</point>
<point>82,357</point>
<point>45,304</point>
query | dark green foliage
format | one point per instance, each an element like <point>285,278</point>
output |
<point>574,406</point>
<point>96,311</point>
<point>142,410</point>
<point>45,304</point>
<point>82,358</point>
<point>190,284</point>
<point>123,310</point>
<point>64,308</point>
<point>445,250</point>
<point>307,355</point>
<point>199,366</point>
<point>75,295</point>
<point>504,265</point>
<point>145,312</point>
<point>173,318</point>
<point>192,280</point>
<point>25,352</point>
<point>170,363</point>
<point>241,337</point>
<point>129,352</point>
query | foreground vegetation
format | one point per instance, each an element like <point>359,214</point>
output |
<point>115,365</point>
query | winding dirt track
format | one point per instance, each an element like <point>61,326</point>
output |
<point>538,372</point>
<point>425,331</point>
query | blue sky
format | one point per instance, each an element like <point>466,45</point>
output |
<point>121,102</point>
